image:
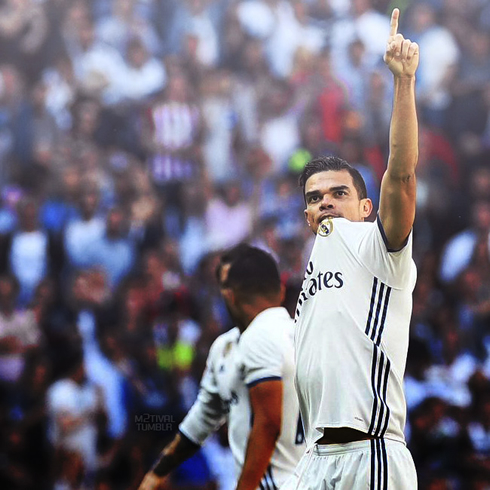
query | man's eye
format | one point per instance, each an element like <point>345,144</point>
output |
<point>314,198</point>
<point>341,193</point>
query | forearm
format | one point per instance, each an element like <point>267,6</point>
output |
<point>403,130</point>
<point>174,454</point>
<point>261,445</point>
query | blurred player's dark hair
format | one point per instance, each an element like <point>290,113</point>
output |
<point>253,272</point>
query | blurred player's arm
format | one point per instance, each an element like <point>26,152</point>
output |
<point>266,402</point>
<point>175,453</point>
<point>397,200</point>
<point>207,415</point>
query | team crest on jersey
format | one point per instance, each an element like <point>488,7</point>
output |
<point>326,227</point>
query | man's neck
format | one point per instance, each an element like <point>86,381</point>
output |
<point>251,311</point>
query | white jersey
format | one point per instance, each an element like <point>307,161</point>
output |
<point>352,331</point>
<point>264,351</point>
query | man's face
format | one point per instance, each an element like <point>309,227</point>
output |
<point>332,194</point>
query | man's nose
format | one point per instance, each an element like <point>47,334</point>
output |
<point>326,203</point>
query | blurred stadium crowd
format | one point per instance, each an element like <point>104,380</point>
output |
<point>139,138</point>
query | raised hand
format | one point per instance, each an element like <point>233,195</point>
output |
<point>402,55</point>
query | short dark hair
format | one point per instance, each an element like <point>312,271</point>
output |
<point>228,256</point>
<point>326,163</point>
<point>253,272</point>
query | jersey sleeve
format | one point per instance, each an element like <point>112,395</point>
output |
<point>209,410</point>
<point>261,357</point>
<point>393,267</point>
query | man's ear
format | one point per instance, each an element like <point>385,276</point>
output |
<point>229,295</point>
<point>366,207</point>
<point>306,217</point>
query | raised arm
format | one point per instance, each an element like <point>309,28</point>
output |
<point>398,187</point>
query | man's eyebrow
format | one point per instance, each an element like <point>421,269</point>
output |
<point>342,187</point>
<point>312,193</point>
<point>336,188</point>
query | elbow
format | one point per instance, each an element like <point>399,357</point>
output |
<point>404,176</point>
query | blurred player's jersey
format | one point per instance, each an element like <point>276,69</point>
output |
<point>263,352</point>
<point>352,327</point>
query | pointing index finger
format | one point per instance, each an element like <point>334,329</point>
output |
<point>394,22</point>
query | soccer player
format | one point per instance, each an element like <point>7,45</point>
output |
<point>353,314</point>
<point>248,381</point>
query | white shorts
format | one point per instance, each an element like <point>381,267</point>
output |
<point>378,464</point>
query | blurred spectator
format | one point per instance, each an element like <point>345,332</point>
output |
<point>81,233</point>
<point>332,100</point>
<point>468,91</point>
<point>145,75</point>
<point>436,42</point>
<point>114,251</point>
<point>124,24</point>
<point>479,434</point>
<point>219,118</point>
<point>62,204</point>
<point>75,411</point>
<point>199,19</point>
<point>97,67</point>
<point>30,253</point>
<point>23,32</point>
<point>279,132</point>
<point>172,140</point>
<point>459,249</point>
<point>438,443</point>
<point>364,23</point>
<point>228,218</point>
<point>19,336</point>
<point>290,32</point>
<point>249,87</point>
<point>61,86</point>
<point>354,72</point>
<point>191,244</point>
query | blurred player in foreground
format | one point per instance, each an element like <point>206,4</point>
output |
<point>354,310</point>
<point>248,381</point>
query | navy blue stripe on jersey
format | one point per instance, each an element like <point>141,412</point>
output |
<point>385,388</point>
<point>380,369</point>
<point>378,309</point>
<point>371,308</point>
<point>380,465</point>
<point>261,380</point>
<point>380,297</point>
<point>378,394</point>
<point>383,318</point>
<point>373,386</point>
<point>385,464</point>
<point>384,409</point>
<point>373,463</point>
<point>267,482</point>
<point>271,479</point>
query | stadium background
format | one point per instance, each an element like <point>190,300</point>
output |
<point>138,138</point>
